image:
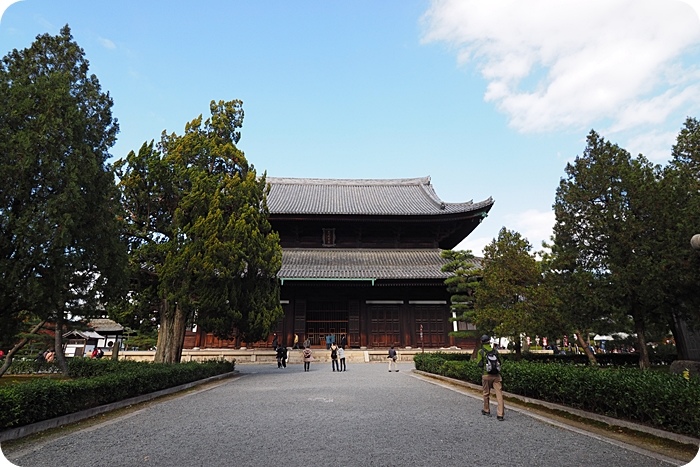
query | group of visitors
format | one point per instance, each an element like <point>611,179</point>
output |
<point>338,357</point>
<point>330,340</point>
<point>337,352</point>
<point>487,358</point>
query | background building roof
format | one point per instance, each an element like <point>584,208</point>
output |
<point>407,196</point>
<point>105,325</point>
<point>315,263</point>
<point>84,334</point>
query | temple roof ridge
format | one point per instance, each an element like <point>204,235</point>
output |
<point>349,181</point>
<point>395,196</point>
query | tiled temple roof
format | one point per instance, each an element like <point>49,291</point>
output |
<point>105,325</point>
<point>388,197</point>
<point>320,263</point>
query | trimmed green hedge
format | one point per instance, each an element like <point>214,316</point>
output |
<point>605,359</point>
<point>31,366</point>
<point>95,383</point>
<point>666,401</point>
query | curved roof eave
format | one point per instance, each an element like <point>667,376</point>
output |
<point>385,197</point>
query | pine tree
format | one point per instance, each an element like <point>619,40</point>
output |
<point>461,285</point>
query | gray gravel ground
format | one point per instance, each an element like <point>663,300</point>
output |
<point>287,417</point>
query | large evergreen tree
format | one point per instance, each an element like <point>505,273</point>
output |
<point>60,248</point>
<point>679,265</point>
<point>510,299</point>
<point>202,247</point>
<point>605,234</point>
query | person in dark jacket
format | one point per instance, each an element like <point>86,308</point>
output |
<point>281,356</point>
<point>490,380</point>
<point>334,357</point>
<point>393,357</point>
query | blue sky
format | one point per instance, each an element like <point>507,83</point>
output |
<point>489,98</point>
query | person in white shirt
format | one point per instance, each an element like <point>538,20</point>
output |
<point>341,357</point>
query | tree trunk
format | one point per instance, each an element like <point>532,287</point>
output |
<point>171,335</point>
<point>518,349</point>
<point>641,344</point>
<point>678,337</point>
<point>115,349</point>
<point>586,348</point>
<point>10,355</point>
<point>59,355</point>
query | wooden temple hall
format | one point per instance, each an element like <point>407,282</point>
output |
<point>361,258</point>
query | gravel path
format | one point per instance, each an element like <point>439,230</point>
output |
<point>287,417</point>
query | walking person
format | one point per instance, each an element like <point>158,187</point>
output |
<point>392,360</point>
<point>328,341</point>
<point>296,341</point>
<point>274,341</point>
<point>341,357</point>
<point>281,356</point>
<point>343,342</point>
<point>308,356</point>
<point>334,356</point>
<point>489,360</point>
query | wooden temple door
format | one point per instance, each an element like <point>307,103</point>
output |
<point>384,325</point>
<point>324,317</point>
<point>433,319</point>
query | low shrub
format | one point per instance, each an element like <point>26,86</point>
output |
<point>658,399</point>
<point>30,366</point>
<point>603,359</point>
<point>95,383</point>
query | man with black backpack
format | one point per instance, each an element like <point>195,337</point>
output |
<point>488,359</point>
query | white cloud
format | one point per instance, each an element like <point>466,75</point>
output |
<point>553,64</point>
<point>536,226</point>
<point>474,244</point>
<point>107,44</point>
<point>695,4</point>
<point>533,225</point>
<point>655,145</point>
<point>5,4</point>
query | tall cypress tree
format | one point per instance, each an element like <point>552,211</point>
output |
<point>202,246</point>
<point>679,265</point>
<point>606,230</point>
<point>60,243</point>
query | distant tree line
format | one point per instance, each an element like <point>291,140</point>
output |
<point>620,257</point>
